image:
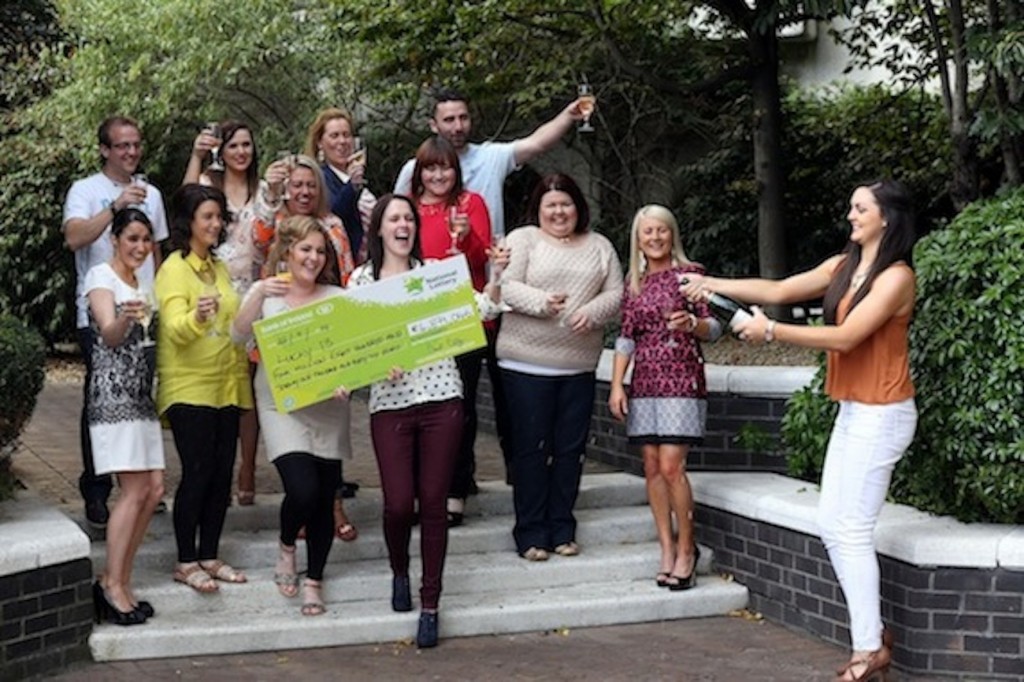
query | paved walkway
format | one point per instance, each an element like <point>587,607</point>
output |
<point>712,649</point>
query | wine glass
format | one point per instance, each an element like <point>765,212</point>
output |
<point>146,297</point>
<point>587,103</point>
<point>216,162</point>
<point>457,222</point>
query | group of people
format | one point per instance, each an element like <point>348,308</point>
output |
<point>243,248</point>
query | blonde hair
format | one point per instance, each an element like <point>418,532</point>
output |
<point>303,161</point>
<point>316,129</point>
<point>637,262</point>
<point>290,232</point>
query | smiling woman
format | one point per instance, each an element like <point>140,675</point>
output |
<point>204,381</point>
<point>295,186</point>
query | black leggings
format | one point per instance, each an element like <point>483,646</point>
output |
<point>309,483</point>
<point>205,439</point>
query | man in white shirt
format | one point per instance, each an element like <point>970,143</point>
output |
<point>485,167</point>
<point>88,210</point>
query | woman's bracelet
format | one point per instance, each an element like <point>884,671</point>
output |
<point>769,331</point>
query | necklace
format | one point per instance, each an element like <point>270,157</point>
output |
<point>858,280</point>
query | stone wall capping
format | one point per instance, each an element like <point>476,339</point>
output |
<point>903,533</point>
<point>37,535</point>
<point>767,382</point>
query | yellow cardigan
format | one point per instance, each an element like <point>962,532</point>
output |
<point>197,362</point>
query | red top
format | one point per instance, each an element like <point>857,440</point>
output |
<point>435,240</point>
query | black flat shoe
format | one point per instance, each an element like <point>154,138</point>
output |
<point>426,634</point>
<point>455,519</point>
<point>401,595</point>
<point>105,611</point>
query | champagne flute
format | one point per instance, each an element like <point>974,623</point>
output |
<point>283,271</point>
<point>140,180</point>
<point>146,320</point>
<point>358,151</point>
<point>216,162</point>
<point>666,312</point>
<point>587,103</point>
<point>288,159</point>
<point>210,290</point>
<point>457,222</point>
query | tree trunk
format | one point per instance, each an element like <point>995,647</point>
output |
<point>768,172</point>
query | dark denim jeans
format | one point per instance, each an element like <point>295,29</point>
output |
<point>93,488</point>
<point>550,420</point>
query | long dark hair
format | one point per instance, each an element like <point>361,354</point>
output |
<point>898,236</point>
<point>375,245</point>
<point>228,130</point>
<point>559,182</point>
<point>437,151</point>
<point>186,202</point>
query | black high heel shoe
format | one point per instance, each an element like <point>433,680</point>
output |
<point>145,608</point>
<point>689,582</point>
<point>105,611</point>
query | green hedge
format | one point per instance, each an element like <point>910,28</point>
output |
<point>967,356</point>
<point>22,371</point>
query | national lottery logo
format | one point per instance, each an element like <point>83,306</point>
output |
<point>414,285</point>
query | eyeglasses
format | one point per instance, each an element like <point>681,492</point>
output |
<point>123,146</point>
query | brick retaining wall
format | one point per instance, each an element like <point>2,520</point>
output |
<point>47,618</point>
<point>728,415</point>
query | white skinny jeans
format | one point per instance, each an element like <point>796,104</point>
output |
<point>866,443</point>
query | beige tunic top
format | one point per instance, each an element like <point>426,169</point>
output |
<point>321,429</point>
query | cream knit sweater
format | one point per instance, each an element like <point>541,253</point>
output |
<point>587,269</point>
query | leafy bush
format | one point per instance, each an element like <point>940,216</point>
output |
<point>806,426</point>
<point>22,361</point>
<point>967,356</point>
<point>967,352</point>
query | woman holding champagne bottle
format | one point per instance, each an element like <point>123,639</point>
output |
<point>122,417</point>
<point>204,382</point>
<point>232,143</point>
<point>453,221</point>
<point>869,293</point>
<point>667,406</point>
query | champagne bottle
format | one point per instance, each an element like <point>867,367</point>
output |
<point>729,312</point>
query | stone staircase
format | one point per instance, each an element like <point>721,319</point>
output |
<point>487,588</point>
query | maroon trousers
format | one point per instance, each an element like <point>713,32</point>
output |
<point>416,450</point>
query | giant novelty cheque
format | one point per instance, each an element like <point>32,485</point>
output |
<point>406,321</point>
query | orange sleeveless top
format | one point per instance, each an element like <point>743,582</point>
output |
<point>877,371</point>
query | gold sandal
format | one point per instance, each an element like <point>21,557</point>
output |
<point>219,570</point>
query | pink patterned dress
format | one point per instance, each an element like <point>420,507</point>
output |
<point>667,395</point>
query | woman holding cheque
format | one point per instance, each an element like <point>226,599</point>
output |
<point>306,445</point>
<point>415,422</point>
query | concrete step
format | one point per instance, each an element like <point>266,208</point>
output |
<point>256,549</point>
<point>495,499</point>
<point>464,574</point>
<point>493,611</point>
<point>487,588</point>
